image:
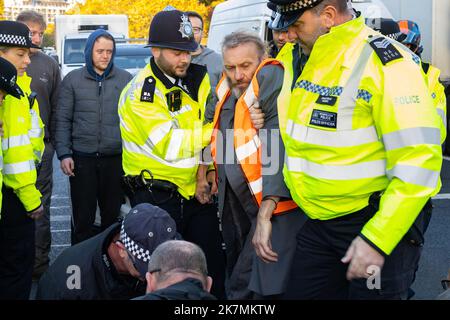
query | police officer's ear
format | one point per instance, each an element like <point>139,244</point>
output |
<point>156,52</point>
<point>121,249</point>
<point>329,16</point>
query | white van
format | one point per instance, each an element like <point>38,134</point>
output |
<point>72,31</point>
<point>253,15</point>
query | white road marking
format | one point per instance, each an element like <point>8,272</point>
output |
<point>59,218</point>
<point>442,196</point>
<point>57,196</point>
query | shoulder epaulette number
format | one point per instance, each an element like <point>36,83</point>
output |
<point>385,50</point>
<point>148,89</point>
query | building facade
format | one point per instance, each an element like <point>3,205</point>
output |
<point>48,8</point>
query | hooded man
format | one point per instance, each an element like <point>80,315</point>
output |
<point>87,136</point>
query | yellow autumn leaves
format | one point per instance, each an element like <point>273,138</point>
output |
<point>141,12</point>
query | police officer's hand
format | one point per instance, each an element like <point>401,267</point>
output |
<point>362,258</point>
<point>263,233</point>
<point>203,191</point>
<point>67,167</point>
<point>211,178</point>
<point>256,115</point>
<point>1,128</point>
<point>36,214</point>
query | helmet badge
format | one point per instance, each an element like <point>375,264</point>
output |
<point>185,27</point>
<point>12,82</point>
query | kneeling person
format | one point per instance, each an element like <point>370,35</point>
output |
<point>111,265</point>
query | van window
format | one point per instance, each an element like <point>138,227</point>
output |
<point>268,33</point>
<point>74,51</point>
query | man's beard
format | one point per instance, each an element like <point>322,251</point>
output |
<point>237,92</point>
<point>169,69</point>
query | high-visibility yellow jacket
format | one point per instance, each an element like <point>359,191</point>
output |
<point>358,124</point>
<point>1,173</point>
<point>167,143</point>
<point>285,56</point>
<point>19,171</point>
<point>36,132</point>
<point>437,94</point>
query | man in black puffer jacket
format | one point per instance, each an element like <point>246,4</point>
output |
<point>87,136</point>
<point>178,271</point>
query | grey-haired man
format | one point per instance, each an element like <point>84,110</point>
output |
<point>45,80</point>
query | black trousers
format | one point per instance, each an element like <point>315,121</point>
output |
<point>238,228</point>
<point>318,273</point>
<point>43,235</point>
<point>97,180</point>
<point>196,223</point>
<point>16,248</point>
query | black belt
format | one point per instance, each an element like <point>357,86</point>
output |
<point>135,183</point>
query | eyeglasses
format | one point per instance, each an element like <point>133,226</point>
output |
<point>197,30</point>
<point>445,284</point>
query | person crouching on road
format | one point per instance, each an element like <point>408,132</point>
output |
<point>111,265</point>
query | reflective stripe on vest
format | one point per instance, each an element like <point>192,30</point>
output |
<point>247,143</point>
<point>35,131</point>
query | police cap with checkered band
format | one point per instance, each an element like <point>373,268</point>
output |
<point>143,229</point>
<point>8,78</point>
<point>289,11</point>
<point>172,29</point>
<point>15,34</point>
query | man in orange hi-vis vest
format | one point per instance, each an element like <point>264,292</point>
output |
<point>254,203</point>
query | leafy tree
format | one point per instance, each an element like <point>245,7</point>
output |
<point>49,36</point>
<point>141,12</point>
<point>2,8</point>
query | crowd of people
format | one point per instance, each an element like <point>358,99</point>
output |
<point>291,170</point>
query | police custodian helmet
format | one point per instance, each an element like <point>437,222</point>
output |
<point>15,34</point>
<point>172,29</point>
<point>288,11</point>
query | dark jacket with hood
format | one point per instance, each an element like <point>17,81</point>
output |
<point>188,289</point>
<point>98,279</point>
<point>87,120</point>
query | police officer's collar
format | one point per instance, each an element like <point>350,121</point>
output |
<point>190,84</point>
<point>168,82</point>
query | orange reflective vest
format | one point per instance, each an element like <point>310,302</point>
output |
<point>247,144</point>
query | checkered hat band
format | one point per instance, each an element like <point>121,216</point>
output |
<point>297,5</point>
<point>13,39</point>
<point>134,248</point>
